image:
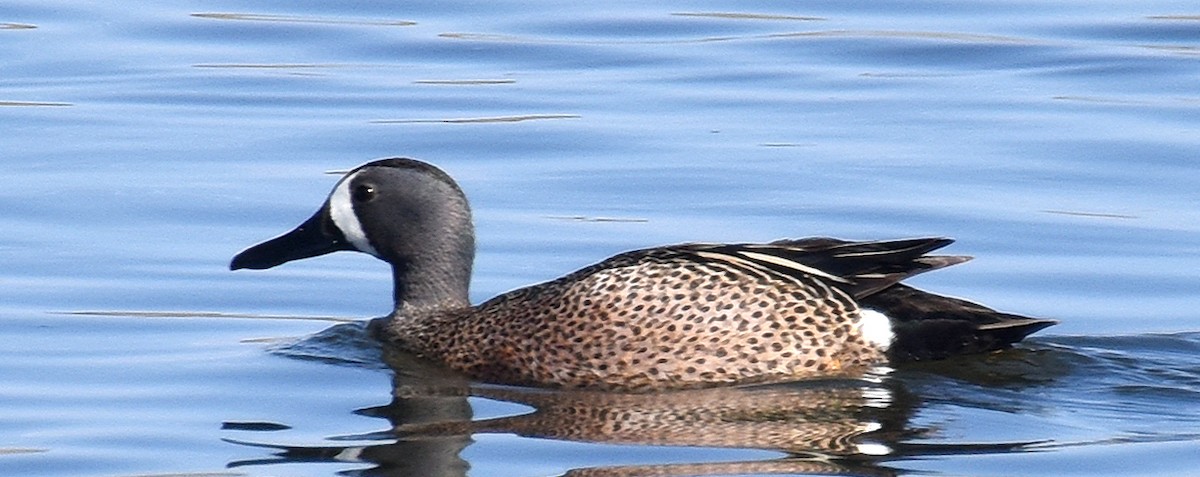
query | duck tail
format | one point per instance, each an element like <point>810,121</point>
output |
<point>928,326</point>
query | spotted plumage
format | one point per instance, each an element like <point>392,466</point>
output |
<point>679,316</point>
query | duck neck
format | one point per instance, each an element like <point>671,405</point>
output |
<point>434,282</point>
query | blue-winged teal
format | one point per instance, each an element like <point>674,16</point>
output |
<point>668,317</point>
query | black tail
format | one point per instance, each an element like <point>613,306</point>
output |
<point>929,326</point>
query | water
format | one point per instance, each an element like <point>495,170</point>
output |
<point>145,145</point>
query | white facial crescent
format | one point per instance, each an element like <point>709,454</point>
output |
<point>341,209</point>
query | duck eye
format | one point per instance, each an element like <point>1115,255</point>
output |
<point>363,193</point>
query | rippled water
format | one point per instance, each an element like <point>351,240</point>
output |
<point>145,145</point>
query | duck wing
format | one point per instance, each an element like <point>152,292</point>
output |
<point>926,325</point>
<point>858,268</point>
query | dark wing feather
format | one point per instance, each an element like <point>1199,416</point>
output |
<point>859,268</point>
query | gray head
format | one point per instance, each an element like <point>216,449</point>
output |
<point>402,211</point>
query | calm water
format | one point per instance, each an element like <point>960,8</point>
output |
<point>144,145</point>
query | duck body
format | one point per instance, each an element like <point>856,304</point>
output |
<point>681,316</point>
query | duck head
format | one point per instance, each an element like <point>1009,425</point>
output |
<point>405,212</point>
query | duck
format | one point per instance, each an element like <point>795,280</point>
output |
<point>679,316</point>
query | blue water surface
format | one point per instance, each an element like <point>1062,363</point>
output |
<point>145,144</point>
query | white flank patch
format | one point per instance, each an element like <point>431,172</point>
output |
<point>341,209</point>
<point>876,328</point>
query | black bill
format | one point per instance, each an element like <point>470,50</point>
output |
<point>316,236</point>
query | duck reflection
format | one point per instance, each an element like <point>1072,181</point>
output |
<point>844,427</point>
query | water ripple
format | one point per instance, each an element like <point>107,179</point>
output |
<point>924,35</point>
<point>262,17</point>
